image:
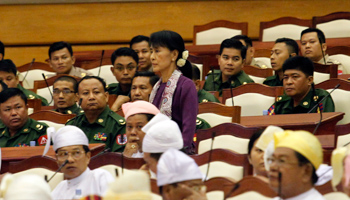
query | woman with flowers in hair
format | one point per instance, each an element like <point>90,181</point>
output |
<point>175,93</point>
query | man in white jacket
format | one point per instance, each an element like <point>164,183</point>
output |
<point>71,147</point>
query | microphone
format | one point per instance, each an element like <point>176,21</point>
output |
<point>279,183</point>
<point>212,73</point>
<point>29,68</point>
<point>48,87</point>
<point>210,153</point>
<point>64,164</point>
<point>230,80</point>
<point>318,105</point>
<point>99,70</point>
<point>79,105</point>
<point>324,59</point>
<point>337,86</point>
<point>236,186</point>
<point>102,152</point>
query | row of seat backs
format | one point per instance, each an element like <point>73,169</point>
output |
<point>334,25</point>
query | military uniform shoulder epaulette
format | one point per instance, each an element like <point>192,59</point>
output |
<point>198,122</point>
<point>69,120</point>
<point>112,85</point>
<point>118,118</point>
<point>38,126</point>
<point>270,78</point>
<point>283,98</point>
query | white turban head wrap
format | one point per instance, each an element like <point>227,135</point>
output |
<point>162,133</point>
<point>175,166</point>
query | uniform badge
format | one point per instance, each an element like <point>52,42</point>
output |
<point>122,122</point>
<point>198,122</point>
<point>21,145</point>
<point>100,136</point>
<point>315,98</point>
<point>31,96</point>
<point>25,130</point>
<point>205,100</point>
<point>69,111</point>
<point>42,140</point>
<point>305,103</point>
<point>100,120</point>
<point>244,83</point>
<point>121,139</point>
<point>83,74</point>
<point>279,98</point>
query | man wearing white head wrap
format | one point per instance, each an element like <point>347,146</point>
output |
<point>179,177</point>
<point>26,187</point>
<point>161,134</point>
<point>71,147</point>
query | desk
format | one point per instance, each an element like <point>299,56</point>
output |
<point>308,122</point>
<point>13,154</point>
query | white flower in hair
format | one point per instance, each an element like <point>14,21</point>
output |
<point>181,62</point>
<point>185,54</point>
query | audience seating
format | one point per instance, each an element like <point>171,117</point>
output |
<point>115,163</point>
<point>336,195</point>
<point>40,86</point>
<point>225,135</point>
<point>324,72</point>
<point>340,96</point>
<point>342,55</point>
<point>33,72</point>
<point>263,56</point>
<point>342,135</point>
<point>52,118</point>
<point>252,184</point>
<point>198,61</point>
<point>104,72</point>
<point>257,74</point>
<point>219,187</point>
<point>254,98</point>
<point>41,165</point>
<point>333,25</point>
<point>217,31</point>
<point>223,163</point>
<point>289,27</point>
<point>35,104</point>
<point>217,113</point>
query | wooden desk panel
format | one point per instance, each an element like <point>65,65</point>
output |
<point>308,122</point>
<point>14,154</point>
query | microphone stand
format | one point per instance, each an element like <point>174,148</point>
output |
<point>99,70</point>
<point>64,164</point>
<point>48,87</point>
<point>29,68</point>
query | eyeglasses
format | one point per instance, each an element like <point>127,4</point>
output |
<point>129,68</point>
<point>63,155</point>
<point>280,162</point>
<point>64,92</point>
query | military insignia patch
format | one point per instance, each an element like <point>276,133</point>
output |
<point>42,140</point>
<point>22,145</point>
<point>100,136</point>
<point>121,139</point>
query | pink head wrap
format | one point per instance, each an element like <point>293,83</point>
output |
<point>139,107</point>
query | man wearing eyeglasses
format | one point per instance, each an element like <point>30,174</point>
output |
<point>72,153</point>
<point>293,165</point>
<point>64,95</point>
<point>125,62</point>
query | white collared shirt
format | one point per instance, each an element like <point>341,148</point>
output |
<point>311,194</point>
<point>88,183</point>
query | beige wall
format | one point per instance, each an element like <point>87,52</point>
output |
<point>28,29</point>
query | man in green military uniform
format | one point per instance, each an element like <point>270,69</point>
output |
<point>203,96</point>
<point>125,61</point>
<point>99,123</point>
<point>300,95</point>
<point>283,49</point>
<point>62,60</point>
<point>8,74</point>
<point>18,129</point>
<point>64,95</point>
<point>313,46</point>
<point>231,61</point>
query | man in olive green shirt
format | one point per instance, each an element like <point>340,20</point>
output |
<point>283,49</point>
<point>99,123</point>
<point>18,129</point>
<point>231,61</point>
<point>203,96</point>
<point>64,95</point>
<point>300,95</point>
<point>8,74</point>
